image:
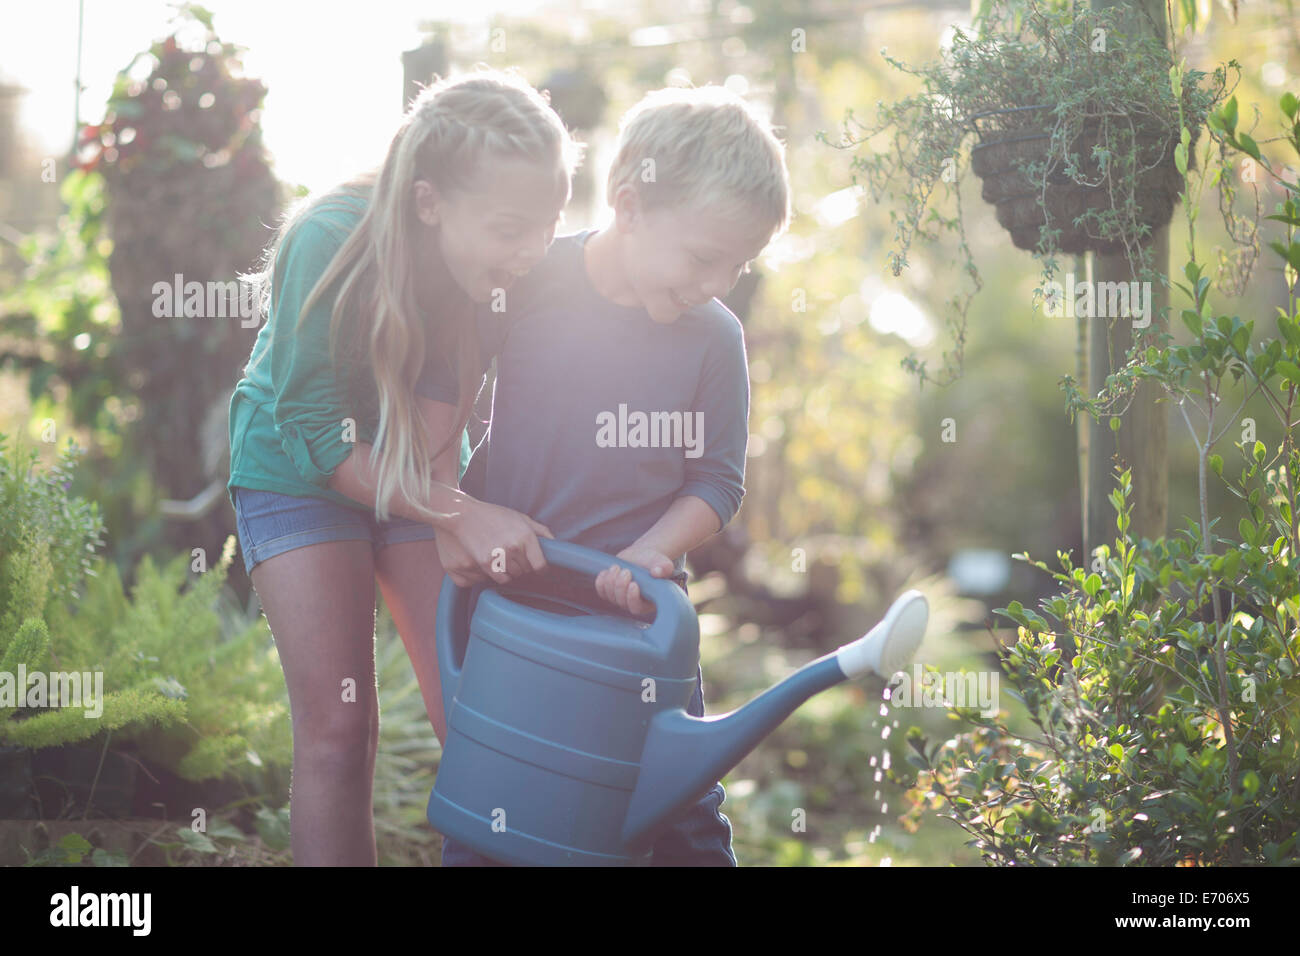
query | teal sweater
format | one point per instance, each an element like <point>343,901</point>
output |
<point>287,412</point>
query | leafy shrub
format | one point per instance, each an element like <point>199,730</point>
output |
<point>1172,735</point>
<point>200,704</point>
<point>47,538</point>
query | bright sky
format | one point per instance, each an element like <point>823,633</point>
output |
<point>326,71</point>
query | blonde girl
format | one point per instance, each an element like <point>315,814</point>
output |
<point>347,431</point>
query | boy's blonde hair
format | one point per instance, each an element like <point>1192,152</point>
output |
<point>704,148</point>
<point>376,326</point>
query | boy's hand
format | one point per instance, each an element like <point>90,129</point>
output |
<point>616,586</point>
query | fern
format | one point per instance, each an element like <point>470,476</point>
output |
<point>128,709</point>
<point>28,649</point>
<point>199,701</point>
<point>25,577</point>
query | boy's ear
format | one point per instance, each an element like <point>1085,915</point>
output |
<point>627,208</point>
<point>428,202</point>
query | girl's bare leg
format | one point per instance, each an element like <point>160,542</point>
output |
<point>320,603</point>
<point>410,577</point>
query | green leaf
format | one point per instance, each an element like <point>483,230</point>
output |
<point>1291,253</point>
<point>1116,751</point>
<point>1289,327</point>
<point>193,840</point>
<point>109,858</point>
<point>1250,783</point>
<point>1241,339</point>
<point>1246,528</point>
<point>1289,371</point>
<point>1248,145</point>
<point>1228,114</point>
<point>74,846</point>
<point>1289,105</point>
<point>1216,464</point>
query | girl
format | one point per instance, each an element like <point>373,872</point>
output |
<point>348,428</point>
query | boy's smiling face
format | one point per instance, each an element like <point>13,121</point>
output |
<point>674,258</point>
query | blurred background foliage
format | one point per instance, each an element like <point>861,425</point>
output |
<point>852,492</point>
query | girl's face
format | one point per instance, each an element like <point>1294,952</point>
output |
<point>497,229</point>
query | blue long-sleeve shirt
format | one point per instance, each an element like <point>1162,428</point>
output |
<point>601,417</point>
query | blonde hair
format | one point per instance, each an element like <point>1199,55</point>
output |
<point>707,148</point>
<point>448,131</point>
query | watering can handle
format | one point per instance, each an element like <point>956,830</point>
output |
<point>673,609</point>
<point>590,562</point>
<point>452,628</point>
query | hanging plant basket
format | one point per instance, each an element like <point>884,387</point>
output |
<point>1025,203</point>
<point>1079,117</point>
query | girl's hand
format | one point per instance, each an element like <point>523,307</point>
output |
<point>616,586</point>
<point>501,543</point>
<point>457,562</point>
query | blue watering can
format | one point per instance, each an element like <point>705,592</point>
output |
<point>568,741</point>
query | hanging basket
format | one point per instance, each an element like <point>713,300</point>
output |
<point>1024,206</point>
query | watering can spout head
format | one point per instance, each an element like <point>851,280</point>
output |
<point>684,756</point>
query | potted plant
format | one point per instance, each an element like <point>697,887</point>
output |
<point>1081,133</point>
<point>1075,127</point>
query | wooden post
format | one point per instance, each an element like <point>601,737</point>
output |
<point>420,66</point>
<point>1142,442</point>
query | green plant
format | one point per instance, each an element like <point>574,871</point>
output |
<point>197,704</point>
<point>199,699</point>
<point>47,537</point>
<point>1078,104</point>
<point>221,843</point>
<point>1172,736</point>
<point>72,850</point>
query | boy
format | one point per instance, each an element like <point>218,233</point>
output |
<point>620,412</point>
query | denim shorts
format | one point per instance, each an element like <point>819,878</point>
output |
<point>700,837</point>
<point>269,524</point>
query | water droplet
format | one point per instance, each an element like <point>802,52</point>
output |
<point>884,733</point>
<point>876,796</point>
<point>884,711</point>
<point>886,861</point>
<point>895,724</point>
<point>884,808</point>
<point>877,776</point>
<point>872,761</point>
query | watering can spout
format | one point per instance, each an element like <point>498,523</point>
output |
<point>684,756</point>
